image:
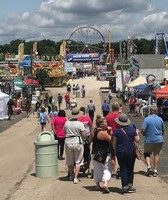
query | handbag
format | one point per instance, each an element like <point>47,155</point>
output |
<point>100,156</point>
<point>137,151</point>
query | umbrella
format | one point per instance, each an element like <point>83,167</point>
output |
<point>30,81</point>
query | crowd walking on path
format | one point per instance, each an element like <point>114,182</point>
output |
<point>106,140</point>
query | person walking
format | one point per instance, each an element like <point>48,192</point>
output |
<point>91,110</point>
<point>50,99</point>
<point>59,99</point>
<point>43,118</point>
<point>105,108</point>
<point>69,87</point>
<point>74,149</point>
<point>124,146</point>
<point>37,106</point>
<point>83,91</point>
<point>85,119</point>
<point>10,108</point>
<point>111,122</point>
<point>101,138</point>
<point>28,107</point>
<point>153,129</point>
<point>57,125</point>
<point>67,100</point>
<point>54,112</point>
<point>110,96</point>
<point>74,89</point>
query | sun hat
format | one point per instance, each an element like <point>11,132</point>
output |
<point>123,120</point>
<point>75,113</point>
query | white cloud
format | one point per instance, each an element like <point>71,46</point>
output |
<point>57,19</point>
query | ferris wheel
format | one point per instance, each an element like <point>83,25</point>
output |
<point>86,40</point>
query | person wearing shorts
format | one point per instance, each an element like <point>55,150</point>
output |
<point>153,130</point>
<point>74,149</point>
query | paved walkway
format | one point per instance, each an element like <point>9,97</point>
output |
<point>17,168</point>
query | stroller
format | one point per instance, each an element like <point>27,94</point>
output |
<point>85,168</point>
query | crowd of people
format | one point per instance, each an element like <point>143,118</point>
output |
<point>81,136</point>
<point>107,139</point>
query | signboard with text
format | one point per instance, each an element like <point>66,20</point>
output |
<point>86,57</point>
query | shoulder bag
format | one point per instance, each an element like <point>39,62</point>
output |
<point>100,155</point>
<point>137,151</point>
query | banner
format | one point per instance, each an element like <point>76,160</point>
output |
<point>35,47</point>
<point>20,51</point>
<point>63,49</point>
<point>86,57</point>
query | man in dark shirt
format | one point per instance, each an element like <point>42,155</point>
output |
<point>59,101</point>
<point>10,106</point>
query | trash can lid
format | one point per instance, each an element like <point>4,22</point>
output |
<point>45,136</point>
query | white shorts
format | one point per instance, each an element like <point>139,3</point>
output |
<point>74,154</point>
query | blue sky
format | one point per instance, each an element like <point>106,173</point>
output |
<point>57,19</point>
<point>18,6</point>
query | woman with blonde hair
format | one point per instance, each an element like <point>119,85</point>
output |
<point>101,139</point>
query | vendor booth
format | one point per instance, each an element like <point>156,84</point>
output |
<point>162,94</point>
<point>4,98</point>
<point>140,80</point>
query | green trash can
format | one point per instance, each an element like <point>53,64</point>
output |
<point>46,155</point>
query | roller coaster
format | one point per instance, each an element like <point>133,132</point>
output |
<point>160,44</point>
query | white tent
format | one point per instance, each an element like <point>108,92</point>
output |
<point>140,80</point>
<point>4,98</point>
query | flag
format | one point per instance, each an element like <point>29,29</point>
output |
<point>35,47</point>
<point>20,51</point>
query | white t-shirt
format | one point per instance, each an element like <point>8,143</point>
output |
<point>73,131</point>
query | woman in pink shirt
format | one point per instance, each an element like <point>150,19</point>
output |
<point>57,127</point>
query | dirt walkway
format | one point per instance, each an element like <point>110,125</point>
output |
<point>17,168</point>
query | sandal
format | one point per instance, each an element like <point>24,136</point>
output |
<point>106,190</point>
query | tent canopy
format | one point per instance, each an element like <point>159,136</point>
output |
<point>140,87</point>
<point>3,95</point>
<point>140,80</point>
<point>161,93</point>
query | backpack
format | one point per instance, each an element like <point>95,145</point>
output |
<point>42,118</point>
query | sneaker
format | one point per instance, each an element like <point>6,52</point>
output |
<point>149,171</point>
<point>131,190</point>
<point>76,180</point>
<point>155,174</point>
<point>124,191</point>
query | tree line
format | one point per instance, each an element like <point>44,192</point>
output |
<point>47,47</point>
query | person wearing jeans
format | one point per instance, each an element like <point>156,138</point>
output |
<point>123,144</point>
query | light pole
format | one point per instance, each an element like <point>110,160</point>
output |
<point>31,69</point>
<point>122,72</point>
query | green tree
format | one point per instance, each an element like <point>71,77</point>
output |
<point>42,77</point>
